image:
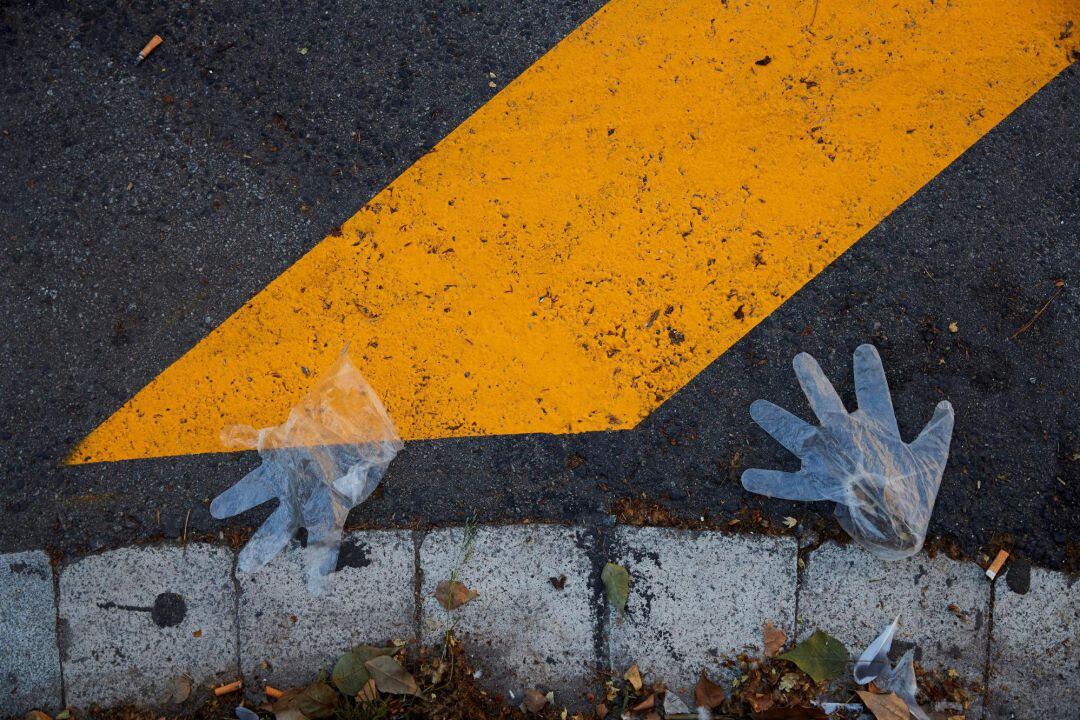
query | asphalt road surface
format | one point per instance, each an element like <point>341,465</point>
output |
<point>141,206</point>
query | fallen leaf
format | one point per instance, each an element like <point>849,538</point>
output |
<point>798,712</point>
<point>616,584</point>
<point>647,704</point>
<point>390,677</point>
<point>535,701</point>
<point>37,715</point>
<point>317,700</point>
<point>289,714</point>
<point>707,694</point>
<point>820,656</point>
<point>788,682</point>
<point>558,582</point>
<point>63,714</point>
<point>368,693</point>
<point>601,711</point>
<point>653,716</point>
<point>452,594</point>
<point>774,639</point>
<point>177,690</point>
<point>633,676</point>
<point>790,522</point>
<point>759,702</point>
<point>885,707</point>
<point>350,675</point>
<point>953,327</point>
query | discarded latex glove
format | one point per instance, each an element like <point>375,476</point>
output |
<point>326,459</point>
<point>874,666</point>
<point>875,658</point>
<point>901,680</point>
<point>884,489</point>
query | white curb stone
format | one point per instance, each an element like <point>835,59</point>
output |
<point>522,631</point>
<point>29,660</point>
<point>287,635</point>
<point>697,597</point>
<point>132,619</point>
<point>1034,661</point>
<point>944,607</point>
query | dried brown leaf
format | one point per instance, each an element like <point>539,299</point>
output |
<point>775,639</point>
<point>647,704</point>
<point>760,702</point>
<point>707,694</point>
<point>317,700</point>
<point>601,711</point>
<point>799,712</point>
<point>390,677</point>
<point>177,690</point>
<point>535,701</point>
<point>633,676</point>
<point>37,715</point>
<point>885,707</point>
<point>452,594</point>
<point>368,693</point>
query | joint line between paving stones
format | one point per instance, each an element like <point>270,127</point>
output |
<point>418,586</point>
<point>55,573</point>
<point>803,553</point>
<point>596,553</point>
<point>987,657</point>
<point>236,612</point>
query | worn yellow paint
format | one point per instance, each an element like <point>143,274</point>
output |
<point>614,219</point>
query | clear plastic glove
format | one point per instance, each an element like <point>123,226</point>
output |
<point>884,489</point>
<point>326,459</point>
<point>873,666</point>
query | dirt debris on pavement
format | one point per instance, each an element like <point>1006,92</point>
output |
<point>410,682</point>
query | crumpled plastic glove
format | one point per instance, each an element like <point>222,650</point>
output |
<point>884,489</point>
<point>326,459</point>
<point>873,666</point>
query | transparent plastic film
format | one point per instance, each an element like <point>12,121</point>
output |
<point>324,460</point>
<point>884,488</point>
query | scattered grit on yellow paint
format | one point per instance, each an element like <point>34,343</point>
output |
<point>614,219</point>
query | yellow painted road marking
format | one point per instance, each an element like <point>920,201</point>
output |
<point>614,219</point>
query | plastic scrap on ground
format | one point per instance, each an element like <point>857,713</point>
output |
<point>324,460</point>
<point>884,488</point>
<point>873,666</point>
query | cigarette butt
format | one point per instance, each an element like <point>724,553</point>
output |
<point>995,567</point>
<point>148,48</point>
<point>273,692</point>
<point>227,688</point>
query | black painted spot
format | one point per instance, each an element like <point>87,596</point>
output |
<point>353,555</point>
<point>1019,576</point>
<point>169,610</point>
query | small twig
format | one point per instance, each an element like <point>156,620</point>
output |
<point>183,537</point>
<point>1031,322</point>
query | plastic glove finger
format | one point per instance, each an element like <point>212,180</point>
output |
<point>779,484</point>
<point>268,540</point>
<point>933,441</point>
<point>872,389</point>
<point>323,547</point>
<point>818,390</point>
<point>253,489</point>
<point>788,430</point>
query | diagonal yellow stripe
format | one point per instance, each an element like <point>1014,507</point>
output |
<point>615,219</point>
